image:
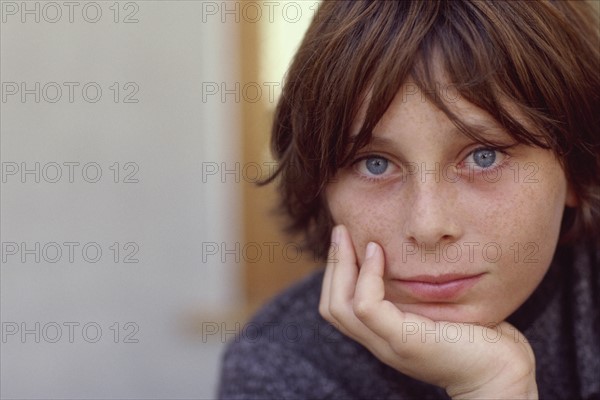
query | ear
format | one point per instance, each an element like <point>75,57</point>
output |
<point>571,200</point>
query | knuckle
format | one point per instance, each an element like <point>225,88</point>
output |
<point>362,308</point>
<point>324,311</point>
<point>386,356</point>
<point>401,350</point>
<point>336,310</point>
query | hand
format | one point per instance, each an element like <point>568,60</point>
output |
<point>469,366</point>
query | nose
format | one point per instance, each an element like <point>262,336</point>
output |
<point>432,214</point>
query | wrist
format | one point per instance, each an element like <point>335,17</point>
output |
<point>525,388</point>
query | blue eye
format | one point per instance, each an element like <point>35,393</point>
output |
<point>484,158</point>
<point>376,168</point>
<point>376,165</point>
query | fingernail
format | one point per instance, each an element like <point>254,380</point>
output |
<point>371,247</point>
<point>335,234</point>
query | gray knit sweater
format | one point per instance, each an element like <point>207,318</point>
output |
<point>287,351</point>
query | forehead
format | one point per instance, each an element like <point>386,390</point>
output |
<point>412,105</point>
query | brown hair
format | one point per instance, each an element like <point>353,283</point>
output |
<point>542,56</point>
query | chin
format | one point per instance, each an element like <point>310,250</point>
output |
<point>452,312</point>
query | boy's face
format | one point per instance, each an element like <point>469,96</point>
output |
<point>468,231</point>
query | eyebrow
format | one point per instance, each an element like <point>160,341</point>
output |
<point>381,141</point>
<point>489,130</point>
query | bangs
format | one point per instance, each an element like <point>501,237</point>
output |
<point>464,50</point>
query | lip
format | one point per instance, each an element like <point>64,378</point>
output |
<point>431,288</point>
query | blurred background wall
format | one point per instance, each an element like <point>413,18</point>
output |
<point>135,242</point>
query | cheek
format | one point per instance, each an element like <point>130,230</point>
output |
<point>524,219</point>
<point>530,214</point>
<point>368,216</point>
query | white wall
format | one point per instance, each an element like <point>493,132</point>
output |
<point>166,216</point>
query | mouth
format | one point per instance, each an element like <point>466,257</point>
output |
<point>440,288</point>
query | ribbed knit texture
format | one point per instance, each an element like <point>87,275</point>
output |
<point>287,351</point>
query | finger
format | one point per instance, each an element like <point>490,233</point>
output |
<point>369,305</point>
<point>344,277</point>
<point>344,271</point>
<point>325,288</point>
<point>370,289</point>
<point>341,253</point>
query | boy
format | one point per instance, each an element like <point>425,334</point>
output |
<point>451,152</point>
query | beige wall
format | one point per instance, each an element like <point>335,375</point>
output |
<point>267,48</point>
